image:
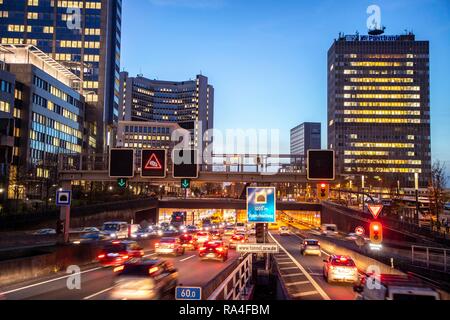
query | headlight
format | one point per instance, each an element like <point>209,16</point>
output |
<point>113,235</point>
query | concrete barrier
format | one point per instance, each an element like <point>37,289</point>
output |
<point>53,260</point>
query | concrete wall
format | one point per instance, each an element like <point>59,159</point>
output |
<point>55,260</point>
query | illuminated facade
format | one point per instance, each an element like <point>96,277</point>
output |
<point>82,35</point>
<point>46,117</point>
<point>379,108</point>
<point>190,104</point>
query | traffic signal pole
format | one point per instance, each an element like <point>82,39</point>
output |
<point>64,213</point>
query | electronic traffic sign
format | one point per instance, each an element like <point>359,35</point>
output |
<point>121,163</point>
<point>185,163</point>
<point>154,163</point>
<point>321,165</point>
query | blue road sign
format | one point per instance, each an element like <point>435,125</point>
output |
<point>63,198</point>
<point>188,293</point>
<point>261,204</point>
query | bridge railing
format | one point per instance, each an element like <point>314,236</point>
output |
<point>226,163</point>
<point>432,258</point>
<point>236,285</point>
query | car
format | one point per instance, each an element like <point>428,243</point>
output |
<point>117,252</point>
<point>115,230</point>
<point>340,269</point>
<point>141,234</point>
<point>188,241</point>
<point>169,246</point>
<point>216,235</point>
<point>213,250</point>
<point>170,232</point>
<point>447,206</point>
<point>252,231</point>
<point>144,279</point>
<point>395,287</point>
<point>44,232</point>
<point>310,247</point>
<point>329,229</point>
<point>191,229</point>
<point>90,229</point>
<point>284,231</point>
<point>237,239</point>
<point>89,237</point>
<point>201,237</point>
<point>229,231</point>
<point>353,237</point>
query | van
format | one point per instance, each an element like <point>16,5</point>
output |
<point>329,229</point>
<point>394,287</point>
<point>115,230</point>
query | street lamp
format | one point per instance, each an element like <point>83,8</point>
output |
<point>416,187</point>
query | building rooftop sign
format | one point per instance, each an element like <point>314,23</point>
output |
<point>357,37</point>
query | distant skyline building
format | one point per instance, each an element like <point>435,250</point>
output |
<point>304,137</point>
<point>379,108</point>
<point>85,37</point>
<point>190,104</point>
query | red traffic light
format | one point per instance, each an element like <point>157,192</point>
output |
<point>323,185</point>
<point>376,233</point>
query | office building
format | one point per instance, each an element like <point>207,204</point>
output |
<point>304,137</point>
<point>45,119</point>
<point>189,103</point>
<point>379,108</point>
<point>84,36</point>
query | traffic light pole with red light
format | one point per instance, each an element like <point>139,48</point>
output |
<point>323,191</point>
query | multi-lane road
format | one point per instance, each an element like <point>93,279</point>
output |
<point>97,282</point>
<point>313,282</point>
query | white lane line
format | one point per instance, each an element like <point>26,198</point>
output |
<point>185,259</point>
<point>48,281</point>
<point>304,294</point>
<point>297,283</point>
<point>288,268</point>
<point>56,279</point>
<point>292,275</point>
<point>98,293</point>
<point>313,282</point>
<point>287,262</point>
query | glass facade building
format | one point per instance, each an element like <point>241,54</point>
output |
<point>379,108</point>
<point>190,104</point>
<point>305,137</point>
<point>85,37</point>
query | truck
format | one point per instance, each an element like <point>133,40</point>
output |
<point>394,287</point>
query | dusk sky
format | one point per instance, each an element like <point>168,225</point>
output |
<point>267,59</point>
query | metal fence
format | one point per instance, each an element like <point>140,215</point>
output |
<point>235,287</point>
<point>430,257</point>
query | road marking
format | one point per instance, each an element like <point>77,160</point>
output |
<point>313,282</point>
<point>98,293</point>
<point>287,262</point>
<point>304,294</point>
<point>188,258</point>
<point>49,281</point>
<point>149,255</point>
<point>288,268</point>
<point>292,275</point>
<point>296,283</point>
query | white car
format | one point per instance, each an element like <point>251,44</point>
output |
<point>44,232</point>
<point>90,229</point>
<point>310,247</point>
<point>284,231</point>
<point>340,269</point>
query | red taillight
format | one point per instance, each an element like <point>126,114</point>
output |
<point>242,240</point>
<point>191,241</point>
<point>101,256</point>
<point>119,268</point>
<point>202,249</point>
<point>152,270</point>
<point>125,257</point>
<point>219,249</point>
<point>343,259</point>
<point>172,246</point>
<point>116,242</point>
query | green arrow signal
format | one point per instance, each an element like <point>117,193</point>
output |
<point>122,183</point>
<point>185,183</point>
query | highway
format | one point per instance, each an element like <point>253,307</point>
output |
<point>97,282</point>
<point>313,265</point>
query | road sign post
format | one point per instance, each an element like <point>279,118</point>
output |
<point>63,200</point>
<point>185,183</point>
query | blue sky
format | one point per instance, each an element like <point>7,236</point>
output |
<point>267,58</point>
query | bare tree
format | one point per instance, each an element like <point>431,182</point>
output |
<point>437,187</point>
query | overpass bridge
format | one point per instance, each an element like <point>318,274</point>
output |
<point>250,168</point>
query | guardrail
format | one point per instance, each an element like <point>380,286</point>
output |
<point>431,257</point>
<point>236,284</point>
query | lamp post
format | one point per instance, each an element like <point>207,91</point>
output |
<point>363,182</point>
<point>416,187</point>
